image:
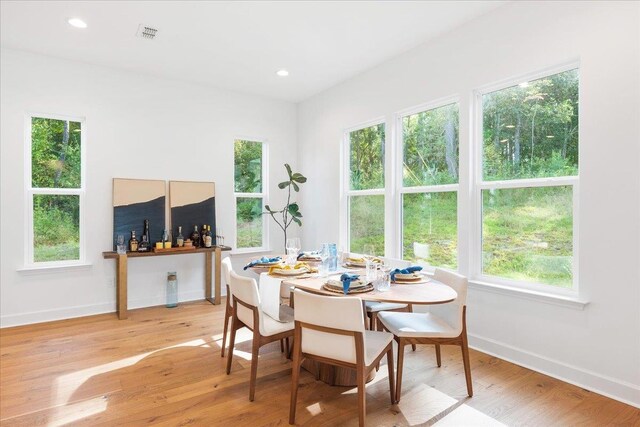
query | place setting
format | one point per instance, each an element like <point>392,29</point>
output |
<point>348,284</point>
<point>408,276</point>
<point>298,270</point>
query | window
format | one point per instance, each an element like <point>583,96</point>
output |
<point>55,191</point>
<point>528,180</point>
<point>250,194</point>
<point>366,188</point>
<point>429,186</point>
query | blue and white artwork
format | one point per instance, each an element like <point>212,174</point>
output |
<point>192,203</point>
<point>135,200</point>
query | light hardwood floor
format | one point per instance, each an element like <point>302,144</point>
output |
<point>163,367</point>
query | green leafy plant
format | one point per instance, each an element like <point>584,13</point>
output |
<point>291,211</point>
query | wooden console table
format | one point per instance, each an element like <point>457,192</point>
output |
<point>121,274</point>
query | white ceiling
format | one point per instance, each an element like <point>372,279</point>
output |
<point>236,45</point>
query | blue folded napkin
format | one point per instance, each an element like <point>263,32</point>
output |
<point>346,280</point>
<point>263,260</point>
<point>407,270</point>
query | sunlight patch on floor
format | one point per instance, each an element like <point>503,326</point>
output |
<point>467,416</point>
<point>76,411</point>
<point>314,409</point>
<point>67,384</point>
<point>380,376</point>
<point>422,403</point>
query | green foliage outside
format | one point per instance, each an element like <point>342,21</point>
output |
<point>248,166</point>
<point>248,179</point>
<point>55,156</point>
<point>430,221</point>
<point>366,158</point>
<point>249,220</point>
<point>366,223</point>
<point>529,131</point>
<point>527,234</point>
<point>431,147</point>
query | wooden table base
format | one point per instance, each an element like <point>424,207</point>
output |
<point>334,375</point>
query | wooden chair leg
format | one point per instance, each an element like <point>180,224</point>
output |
<point>399,373</point>
<point>413,347</point>
<point>295,377</point>
<point>224,333</point>
<point>288,348</point>
<point>255,350</point>
<point>281,346</point>
<point>232,342</point>
<point>467,365</point>
<point>438,358</point>
<point>392,386</point>
<point>362,396</point>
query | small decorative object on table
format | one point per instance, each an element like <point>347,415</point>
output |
<point>172,289</point>
<point>263,262</point>
<point>180,238</point>
<point>120,246</point>
<point>133,242</point>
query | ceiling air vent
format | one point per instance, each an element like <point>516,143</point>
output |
<point>147,32</point>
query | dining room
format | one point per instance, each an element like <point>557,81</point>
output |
<point>384,213</point>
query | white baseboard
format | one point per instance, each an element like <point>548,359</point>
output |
<point>7,321</point>
<point>10,320</point>
<point>616,389</point>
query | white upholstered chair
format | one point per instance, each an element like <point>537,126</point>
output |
<point>331,330</point>
<point>374,307</point>
<point>227,268</point>
<point>247,312</point>
<point>443,324</point>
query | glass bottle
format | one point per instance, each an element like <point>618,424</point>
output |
<point>195,237</point>
<point>203,231</point>
<point>133,242</point>
<point>180,238</point>
<point>172,289</point>
<point>207,237</point>
<point>145,245</point>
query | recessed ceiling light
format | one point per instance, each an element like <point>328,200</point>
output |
<point>77,22</point>
<point>282,73</point>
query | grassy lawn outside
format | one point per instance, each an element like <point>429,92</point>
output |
<point>527,233</point>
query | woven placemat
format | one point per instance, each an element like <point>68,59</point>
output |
<point>411,282</point>
<point>357,290</point>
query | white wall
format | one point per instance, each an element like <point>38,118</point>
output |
<point>598,347</point>
<point>136,127</point>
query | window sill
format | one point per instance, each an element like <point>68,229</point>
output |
<point>250,251</point>
<point>44,269</point>
<point>569,301</point>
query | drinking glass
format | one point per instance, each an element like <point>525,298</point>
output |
<point>293,247</point>
<point>120,246</point>
<point>219,236</point>
<point>384,280</point>
<point>324,257</point>
<point>369,252</point>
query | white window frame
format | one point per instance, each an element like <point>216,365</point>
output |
<point>346,192</point>
<point>401,190</point>
<point>31,191</point>
<point>478,185</point>
<point>264,195</point>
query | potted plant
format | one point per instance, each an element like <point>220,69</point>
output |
<point>291,211</point>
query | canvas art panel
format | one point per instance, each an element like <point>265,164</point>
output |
<point>192,203</point>
<point>135,200</point>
